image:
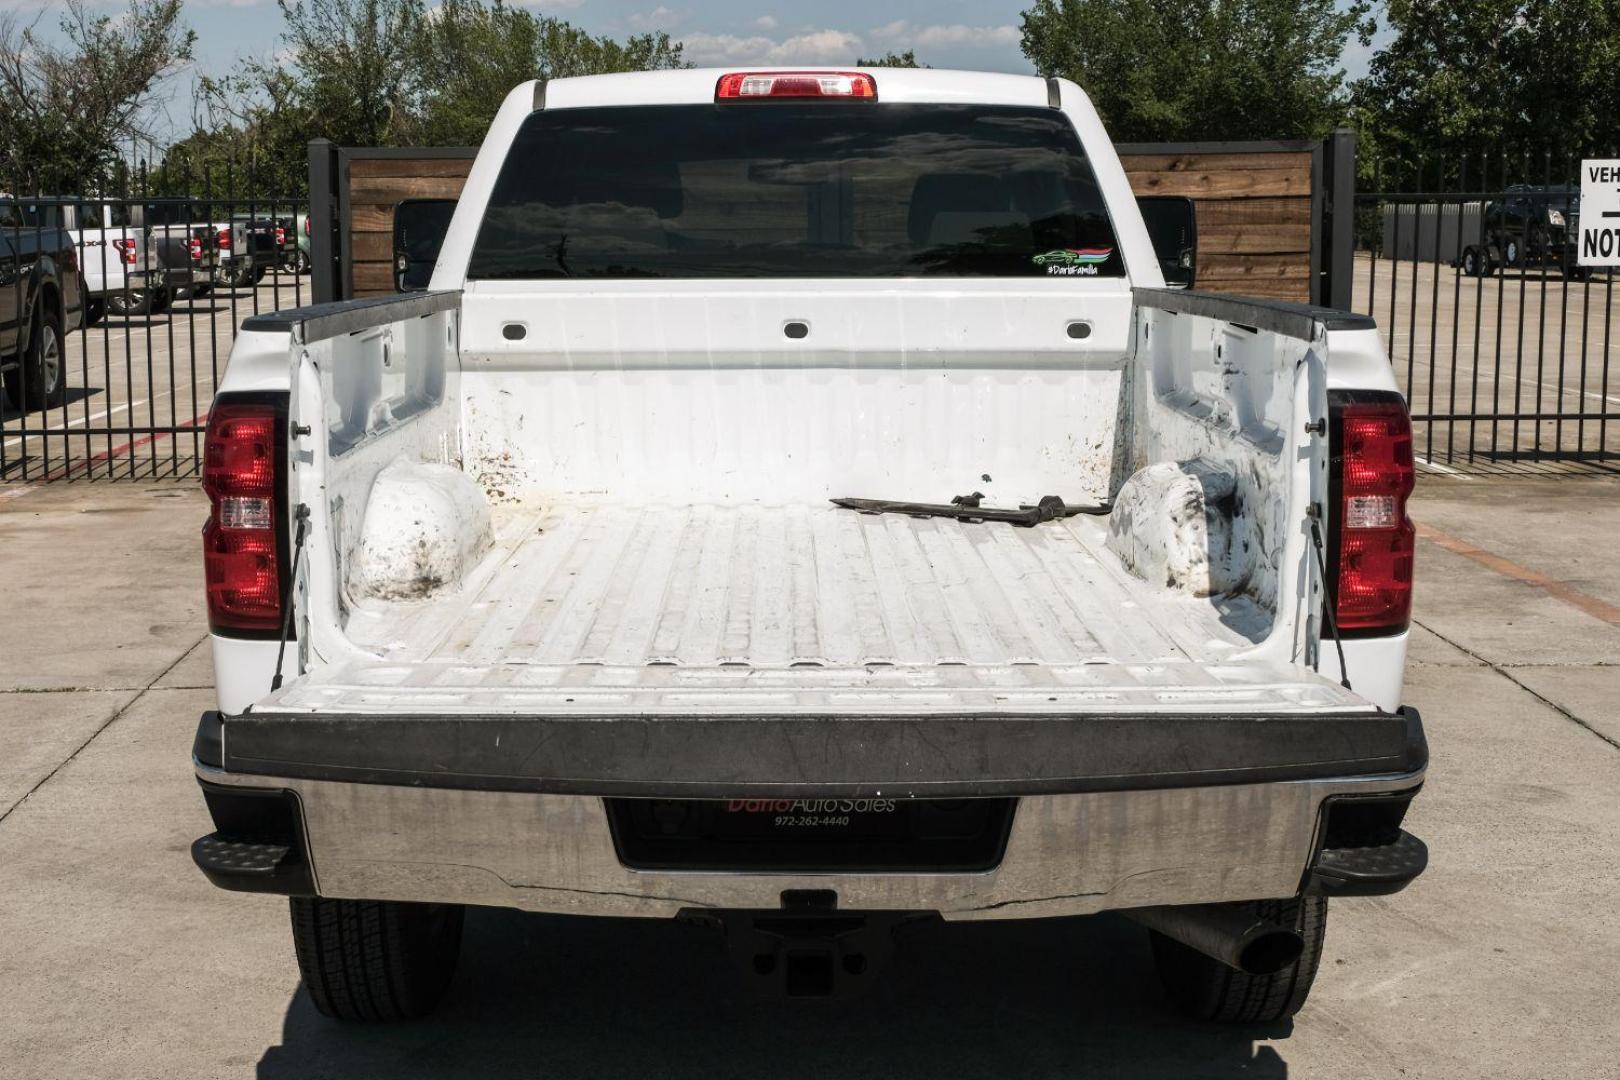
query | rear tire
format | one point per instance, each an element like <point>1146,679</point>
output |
<point>1473,262</point>
<point>1206,989</point>
<point>236,276</point>
<point>375,960</point>
<point>40,381</point>
<point>131,303</point>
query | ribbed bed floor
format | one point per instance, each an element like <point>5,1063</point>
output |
<point>614,609</point>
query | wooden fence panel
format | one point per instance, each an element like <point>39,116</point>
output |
<point>377,184</point>
<point>1254,210</point>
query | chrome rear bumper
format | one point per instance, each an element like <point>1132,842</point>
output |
<point>1067,854</point>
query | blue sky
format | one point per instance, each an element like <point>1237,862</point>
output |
<point>945,33</point>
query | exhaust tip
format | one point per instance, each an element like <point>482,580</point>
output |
<point>1270,952</point>
<point>1231,933</point>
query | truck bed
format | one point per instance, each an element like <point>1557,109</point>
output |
<point>612,609</point>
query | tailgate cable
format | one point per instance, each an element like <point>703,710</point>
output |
<point>301,516</point>
<point>966,508</point>
<point>1314,512</point>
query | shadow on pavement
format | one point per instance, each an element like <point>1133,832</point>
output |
<point>563,996</point>
<point>75,394</point>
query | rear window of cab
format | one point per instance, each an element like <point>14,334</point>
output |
<point>804,190</point>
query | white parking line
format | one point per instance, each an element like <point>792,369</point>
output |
<point>1444,470</point>
<point>15,439</point>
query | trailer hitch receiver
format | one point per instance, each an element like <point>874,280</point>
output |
<point>808,948</point>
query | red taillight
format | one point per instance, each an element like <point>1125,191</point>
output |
<point>194,248</point>
<point>1376,539</point>
<point>306,226</point>
<point>126,250</point>
<point>241,556</point>
<point>223,240</point>
<point>281,236</point>
<point>762,85</point>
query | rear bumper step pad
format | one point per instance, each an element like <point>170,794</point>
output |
<point>828,756</point>
<point>258,844</point>
<point>252,866</point>
<point>1367,871</point>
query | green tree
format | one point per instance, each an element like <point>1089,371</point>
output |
<point>68,112</point>
<point>1506,74</point>
<point>344,73</point>
<point>248,139</point>
<point>1191,69</point>
<point>351,62</point>
<point>907,59</point>
<point>467,56</point>
<point>566,50</point>
<point>381,73</point>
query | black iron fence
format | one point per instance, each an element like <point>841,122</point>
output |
<point>117,315</point>
<point>1501,341</point>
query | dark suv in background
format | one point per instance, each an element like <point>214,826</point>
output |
<point>1530,226</point>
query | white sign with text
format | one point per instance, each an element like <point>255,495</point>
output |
<point>1600,213</point>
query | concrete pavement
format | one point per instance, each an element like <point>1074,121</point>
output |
<point>118,960</point>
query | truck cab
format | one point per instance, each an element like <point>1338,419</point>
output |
<point>798,505</point>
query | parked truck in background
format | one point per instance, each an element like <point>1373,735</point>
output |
<point>42,300</point>
<point>239,247</point>
<point>249,247</point>
<point>185,242</point>
<point>798,506</point>
<point>122,274</point>
<point>298,262</point>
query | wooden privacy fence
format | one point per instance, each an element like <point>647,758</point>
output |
<point>1264,209</point>
<point>361,188</point>
<point>1255,209</point>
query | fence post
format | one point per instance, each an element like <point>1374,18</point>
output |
<point>1338,228</point>
<point>323,252</point>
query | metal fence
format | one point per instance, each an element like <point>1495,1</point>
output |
<point>117,383</point>
<point>1503,348</point>
<point>1502,344</point>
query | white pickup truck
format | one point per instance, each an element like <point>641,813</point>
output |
<point>798,506</point>
<point>118,261</point>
